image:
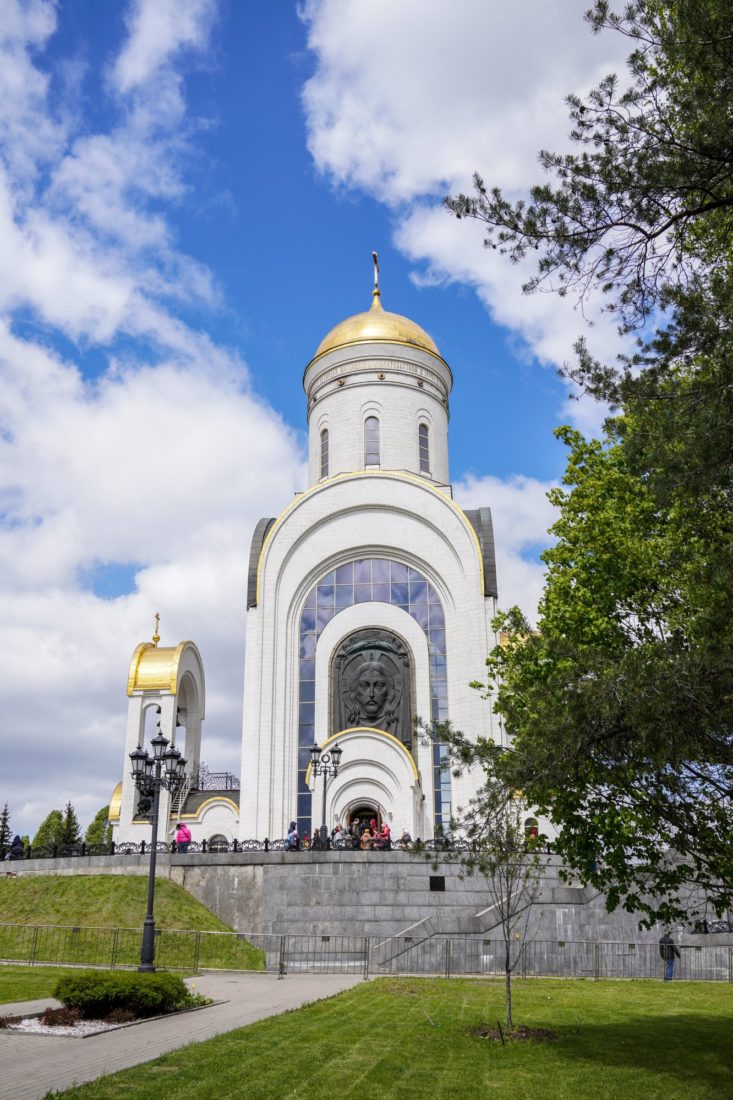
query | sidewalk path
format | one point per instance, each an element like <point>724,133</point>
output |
<point>31,1065</point>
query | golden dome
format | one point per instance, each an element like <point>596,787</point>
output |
<point>115,803</point>
<point>376,324</point>
<point>155,668</point>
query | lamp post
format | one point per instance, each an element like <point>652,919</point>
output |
<point>325,764</point>
<point>165,769</point>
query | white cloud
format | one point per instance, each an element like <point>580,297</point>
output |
<point>158,30</point>
<point>159,465</point>
<point>409,99</point>
<point>521,515</point>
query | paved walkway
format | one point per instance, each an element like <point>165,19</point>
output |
<point>31,1065</point>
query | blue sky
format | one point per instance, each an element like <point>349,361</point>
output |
<point>190,192</point>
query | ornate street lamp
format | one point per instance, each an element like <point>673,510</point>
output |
<point>325,764</point>
<point>165,769</point>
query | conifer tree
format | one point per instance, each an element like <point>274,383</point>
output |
<point>5,831</point>
<point>70,833</point>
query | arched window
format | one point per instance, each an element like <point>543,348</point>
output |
<point>371,441</point>
<point>324,453</point>
<point>423,441</point>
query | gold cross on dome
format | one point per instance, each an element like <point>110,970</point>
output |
<point>156,635</point>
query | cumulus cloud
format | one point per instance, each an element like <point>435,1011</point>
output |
<point>522,516</point>
<point>408,100</point>
<point>158,30</point>
<point>153,468</point>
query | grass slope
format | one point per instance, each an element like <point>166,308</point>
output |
<point>80,912</point>
<point>411,1039</point>
<point>101,901</point>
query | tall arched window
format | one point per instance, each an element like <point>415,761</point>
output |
<point>423,440</point>
<point>324,453</point>
<point>371,441</point>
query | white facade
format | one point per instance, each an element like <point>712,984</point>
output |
<point>166,692</point>
<point>378,515</point>
<point>373,564</point>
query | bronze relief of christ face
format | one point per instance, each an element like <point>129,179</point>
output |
<point>371,684</point>
<point>372,689</point>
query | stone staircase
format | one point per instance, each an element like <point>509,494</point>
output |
<point>417,935</point>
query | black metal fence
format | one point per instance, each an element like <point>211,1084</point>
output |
<point>368,956</point>
<point>308,844</point>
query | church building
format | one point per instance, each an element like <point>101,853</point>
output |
<point>369,605</point>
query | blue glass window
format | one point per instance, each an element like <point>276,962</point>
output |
<point>364,581</point>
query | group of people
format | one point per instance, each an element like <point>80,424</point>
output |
<point>362,834</point>
<point>359,834</point>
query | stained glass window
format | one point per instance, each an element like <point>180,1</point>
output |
<point>365,581</point>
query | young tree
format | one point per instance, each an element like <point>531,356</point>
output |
<point>49,830</point>
<point>621,706</point>
<point>497,848</point>
<point>99,830</point>
<point>5,832</point>
<point>69,833</point>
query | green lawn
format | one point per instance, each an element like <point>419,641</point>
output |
<point>77,915</point>
<point>411,1038</point>
<point>28,983</point>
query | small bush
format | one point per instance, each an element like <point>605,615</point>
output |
<point>97,993</point>
<point>60,1017</point>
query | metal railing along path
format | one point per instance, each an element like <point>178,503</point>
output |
<point>337,954</point>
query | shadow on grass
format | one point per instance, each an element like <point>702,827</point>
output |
<point>689,1047</point>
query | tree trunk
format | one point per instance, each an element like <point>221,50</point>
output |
<point>508,981</point>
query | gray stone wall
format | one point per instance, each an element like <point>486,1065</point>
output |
<point>364,894</point>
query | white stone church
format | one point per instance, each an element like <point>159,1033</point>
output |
<point>369,604</point>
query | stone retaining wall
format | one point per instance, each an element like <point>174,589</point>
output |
<point>363,894</point>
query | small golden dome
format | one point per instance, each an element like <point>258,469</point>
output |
<point>376,324</point>
<point>155,668</point>
<point>115,803</point>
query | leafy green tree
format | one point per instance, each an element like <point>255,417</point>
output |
<point>49,831</point>
<point>621,706</point>
<point>99,830</point>
<point>70,832</point>
<point>511,864</point>
<point>5,831</point>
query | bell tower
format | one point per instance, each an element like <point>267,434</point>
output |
<point>370,597</point>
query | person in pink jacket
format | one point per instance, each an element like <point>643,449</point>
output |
<point>183,837</point>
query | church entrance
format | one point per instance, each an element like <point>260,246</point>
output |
<point>365,811</point>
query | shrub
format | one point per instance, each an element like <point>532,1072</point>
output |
<point>97,993</point>
<point>60,1017</point>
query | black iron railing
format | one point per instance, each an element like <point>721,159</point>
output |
<point>307,844</point>
<point>328,954</point>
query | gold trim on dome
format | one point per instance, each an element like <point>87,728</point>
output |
<point>414,478</point>
<point>155,668</point>
<point>115,803</point>
<point>376,325</point>
<point>367,729</point>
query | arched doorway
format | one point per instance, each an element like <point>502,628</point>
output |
<point>365,811</point>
